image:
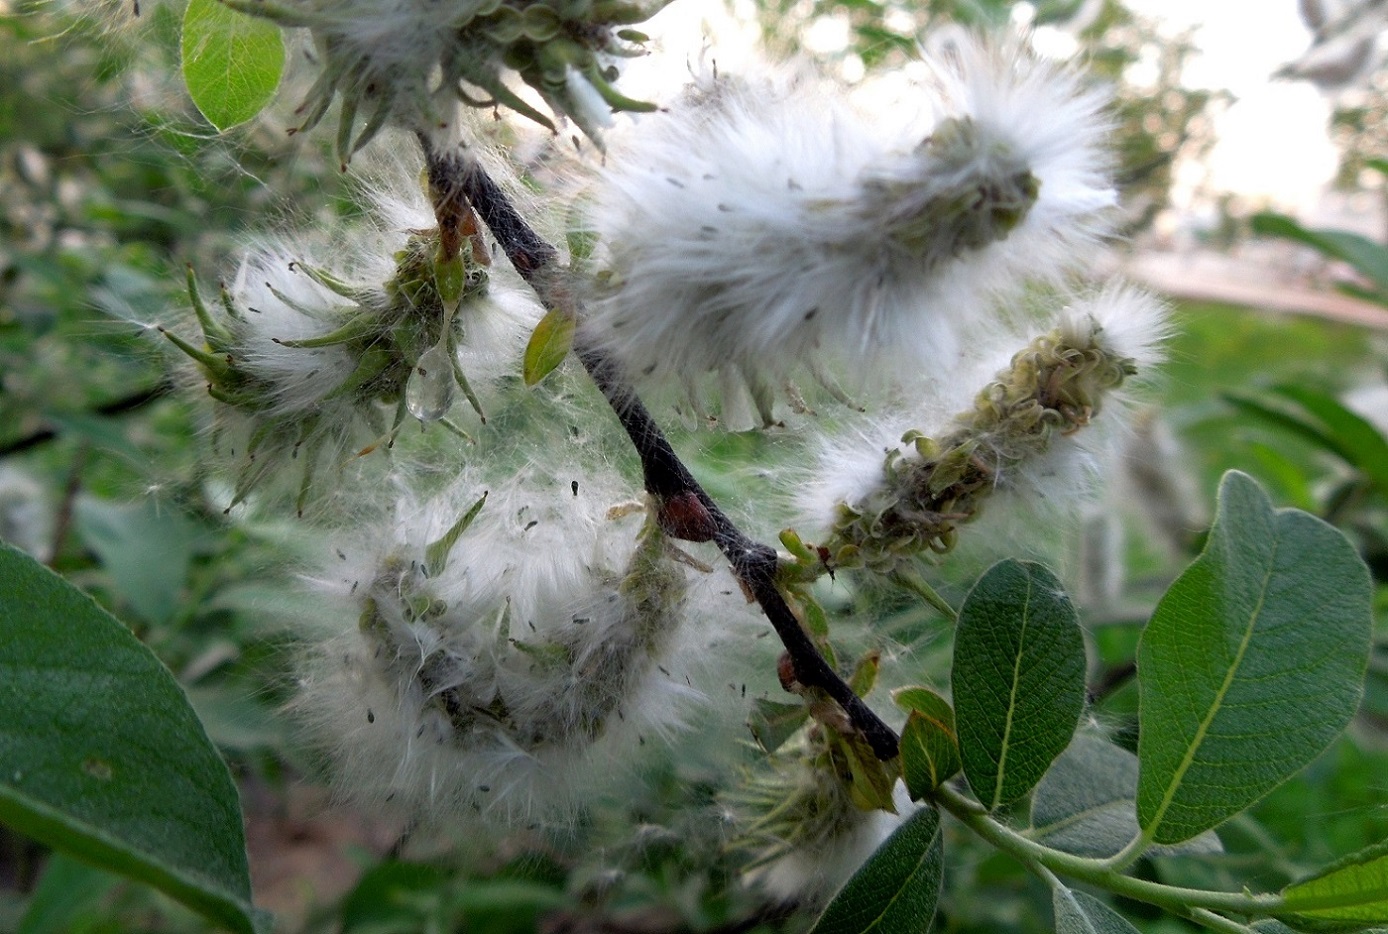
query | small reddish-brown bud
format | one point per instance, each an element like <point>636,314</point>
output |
<point>785,671</point>
<point>684,517</point>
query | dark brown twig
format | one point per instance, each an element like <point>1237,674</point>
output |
<point>666,477</point>
<point>1112,680</point>
<point>62,522</point>
<point>130,403</point>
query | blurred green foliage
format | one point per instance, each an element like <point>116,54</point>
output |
<point>109,184</point>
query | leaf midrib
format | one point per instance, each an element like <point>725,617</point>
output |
<point>896,896</point>
<point>1012,698</point>
<point>1193,748</point>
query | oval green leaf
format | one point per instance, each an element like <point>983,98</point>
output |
<point>895,891</point>
<point>929,744</point>
<point>1354,891</point>
<point>549,344</point>
<point>1252,663</point>
<point>231,62</point>
<point>1085,804</point>
<point>1018,679</point>
<point>1082,913</point>
<point>102,756</point>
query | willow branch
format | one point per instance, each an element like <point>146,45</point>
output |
<point>665,475</point>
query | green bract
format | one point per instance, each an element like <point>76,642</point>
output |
<point>401,339</point>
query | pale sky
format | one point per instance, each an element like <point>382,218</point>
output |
<point>1273,142</point>
<point>1273,145</point>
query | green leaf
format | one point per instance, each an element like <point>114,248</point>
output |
<point>1252,663</point>
<point>929,743</point>
<point>1085,804</point>
<point>550,343</point>
<point>581,244</point>
<point>108,435</point>
<point>1354,290</point>
<point>1325,422</point>
<point>385,897</point>
<point>436,553</point>
<point>146,547</point>
<point>102,756</point>
<point>864,677</point>
<point>69,892</point>
<point>1356,440</point>
<point>772,722</point>
<point>1368,257</point>
<point>871,781</point>
<point>1354,890</point>
<point>1082,913</point>
<point>895,891</point>
<point>231,62</point>
<point>507,906</point>
<point>1018,679</point>
<point>1287,419</point>
<point>234,719</point>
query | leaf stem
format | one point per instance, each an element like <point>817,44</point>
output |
<point>1130,853</point>
<point>921,588</point>
<point>1216,922</point>
<point>1196,904</point>
<point>665,475</point>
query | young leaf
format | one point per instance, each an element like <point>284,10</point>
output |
<point>1085,803</point>
<point>929,744</point>
<point>436,553</point>
<point>871,781</point>
<point>895,891</point>
<point>1018,679</point>
<point>231,62</point>
<point>772,722</point>
<point>1252,663</point>
<point>864,677</point>
<point>1353,891</point>
<point>1082,913</point>
<point>103,757</point>
<point>549,344</point>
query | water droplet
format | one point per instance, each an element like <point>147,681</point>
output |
<point>429,393</point>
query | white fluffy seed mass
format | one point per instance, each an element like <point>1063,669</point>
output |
<point>500,683</point>
<point>812,872</point>
<point>1054,479</point>
<point>278,302</point>
<point>765,221</point>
